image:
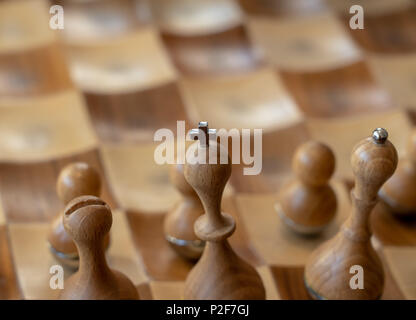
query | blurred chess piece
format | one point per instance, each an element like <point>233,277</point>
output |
<point>328,269</point>
<point>179,222</point>
<point>399,192</point>
<point>308,203</point>
<point>76,179</point>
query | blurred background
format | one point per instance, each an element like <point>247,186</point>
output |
<point>98,89</point>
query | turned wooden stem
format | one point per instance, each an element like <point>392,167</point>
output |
<point>357,226</point>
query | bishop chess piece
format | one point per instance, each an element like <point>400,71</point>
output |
<point>327,272</point>
<point>88,220</point>
<point>220,273</point>
<point>308,204</point>
<point>76,179</point>
<point>399,192</point>
<point>179,222</point>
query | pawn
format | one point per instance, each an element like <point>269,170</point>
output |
<point>399,192</point>
<point>308,203</point>
<point>88,220</point>
<point>76,179</point>
<point>327,271</point>
<point>220,273</point>
<point>179,222</point>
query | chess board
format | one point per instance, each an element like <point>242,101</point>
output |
<point>97,91</point>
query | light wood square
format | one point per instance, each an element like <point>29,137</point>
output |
<point>397,74</point>
<point>251,100</point>
<point>24,25</point>
<point>305,43</point>
<point>137,180</point>
<point>271,238</point>
<point>135,61</point>
<point>333,132</point>
<point>44,127</point>
<point>196,17</point>
<point>402,264</point>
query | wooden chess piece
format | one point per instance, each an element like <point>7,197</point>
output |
<point>399,192</point>
<point>220,273</point>
<point>88,220</point>
<point>308,203</point>
<point>327,272</point>
<point>76,179</point>
<point>179,222</point>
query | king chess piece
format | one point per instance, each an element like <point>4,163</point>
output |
<point>220,273</point>
<point>328,269</point>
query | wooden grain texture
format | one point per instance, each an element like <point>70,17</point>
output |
<point>399,192</point>
<point>272,240</point>
<point>396,73</point>
<point>144,188</point>
<point>145,292</point>
<point>88,220</point>
<point>44,127</point>
<point>308,203</point>
<point>158,258</point>
<point>391,230</point>
<point>131,62</point>
<point>389,33</point>
<point>28,190</point>
<point>160,261</point>
<point>74,180</point>
<point>291,286</point>
<point>401,267</point>
<point>225,52</point>
<point>179,222</point>
<point>24,25</point>
<point>86,22</point>
<point>32,72</point>
<point>9,286</point>
<point>342,134</point>
<point>276,161</point>
<point>313,43</point>
<point>346,91</point>
<point>135,116</point>
<point>282,8</point>
<point>327,272</point>
<point>195,18</point>
<point>290,282</point>
<point>252,100</point>
<point>220,273</point>
<point>228,54</point>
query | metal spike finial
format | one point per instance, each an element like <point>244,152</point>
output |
<point>203,129</point>
<point>380,135</point>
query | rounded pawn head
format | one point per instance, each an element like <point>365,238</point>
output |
<point>87,219</point>
<point>314,163</point>
<point>177,178</point>
<point>78,179</point>
<point>373,161</point>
